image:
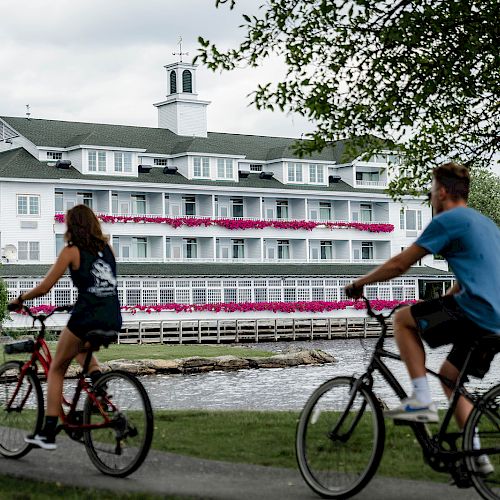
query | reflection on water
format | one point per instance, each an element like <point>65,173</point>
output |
<point>289,388</point>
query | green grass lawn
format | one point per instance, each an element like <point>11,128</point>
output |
<point>163,351</point>
<point>267,438</point>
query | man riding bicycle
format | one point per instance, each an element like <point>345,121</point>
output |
<point>470,242</point>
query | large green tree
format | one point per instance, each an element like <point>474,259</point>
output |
<point>485,193</point>
<point>424,74</point>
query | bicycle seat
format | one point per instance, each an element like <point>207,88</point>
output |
<point>489,343</point>
<point>98,338</point>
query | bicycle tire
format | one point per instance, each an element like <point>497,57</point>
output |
<point>486,418</point>
<point>316,449</point>
<point>28,416</point>
<point>125,401</point>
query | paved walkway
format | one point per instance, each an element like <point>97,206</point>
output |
<point>169,474</point>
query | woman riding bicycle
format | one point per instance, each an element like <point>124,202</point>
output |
<point>92,267</point>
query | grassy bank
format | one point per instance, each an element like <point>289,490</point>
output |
<point>267,438</point>
<point>162,351</point>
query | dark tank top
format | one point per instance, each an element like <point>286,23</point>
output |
<point>97,306</point>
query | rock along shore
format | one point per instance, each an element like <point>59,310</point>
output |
<point>197,364</point>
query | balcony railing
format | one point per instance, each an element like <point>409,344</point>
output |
<point>371,183</point>
<point>248,260</point>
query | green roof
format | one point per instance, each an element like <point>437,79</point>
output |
<point>64,134</point>
<point>20,164</point>
<point>218,269</point>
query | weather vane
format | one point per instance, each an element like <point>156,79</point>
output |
<point>180,53</point>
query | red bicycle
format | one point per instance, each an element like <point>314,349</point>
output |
<point>114,421</point>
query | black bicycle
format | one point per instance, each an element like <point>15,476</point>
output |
<point>341,430</point>
<point>114,423</point>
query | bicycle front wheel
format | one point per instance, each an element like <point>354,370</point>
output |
<point>120,447</point>
<point>21,409</point>
<point>486,420</point>
<point>340,438</point>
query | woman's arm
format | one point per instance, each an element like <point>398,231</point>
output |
<point>66,257</point>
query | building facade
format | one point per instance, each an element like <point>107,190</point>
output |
<point>203,217</point>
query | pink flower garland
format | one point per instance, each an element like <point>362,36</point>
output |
<point>230,307</point>
<point>234,224</point>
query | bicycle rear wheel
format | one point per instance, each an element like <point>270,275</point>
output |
<point>486,420</point>
<point>21,414</point>
<point>340,438</point>
<point>120,449</point>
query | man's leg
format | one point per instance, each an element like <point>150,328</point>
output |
<point>419,407</point>
<point>409,343</point>
<point>464,407</point>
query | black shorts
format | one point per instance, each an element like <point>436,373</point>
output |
<point>441,321</point>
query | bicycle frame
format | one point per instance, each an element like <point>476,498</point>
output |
<point>41,354</point>
<point>432,446</point>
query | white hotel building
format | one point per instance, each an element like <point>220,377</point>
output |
<point>180,171</point>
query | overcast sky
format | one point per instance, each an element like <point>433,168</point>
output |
<point>102,61</point>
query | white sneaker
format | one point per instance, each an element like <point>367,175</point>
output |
<point>41,441</point>
<point>413,410</point>
<point>483,466</point>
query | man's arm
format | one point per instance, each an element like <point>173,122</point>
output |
<point>453,289</point>
<point>395,266</point>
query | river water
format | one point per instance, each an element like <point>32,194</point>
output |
<point>289,388</point>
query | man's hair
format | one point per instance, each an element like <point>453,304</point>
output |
<point>455,179</point>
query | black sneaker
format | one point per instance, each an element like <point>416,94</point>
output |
<point>40,440</point>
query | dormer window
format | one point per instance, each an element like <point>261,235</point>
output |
<point>316,174</point>
<point>187,81</point>
<point>97,161</point>
<point>201,167</point>
<point>295,172</point>
<point>173,82</point>
<point>123,162</point>
<point>54,155</point>
<point>161,162</point>
<point>224,168</point>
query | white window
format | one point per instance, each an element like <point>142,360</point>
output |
<point>190,248</point>
<point>366,212</point>
<point>28,250</point>
<point>85,199</point>
<point>123,162</point>
<point>166,202</point>
<point>116,245</point>
<point>295,172</point>
<point>316,174</point>
<point>54,155</point>
<point>255,168</point>
<point>325,210</point>
<point>28,204</point>
<point>141,246</point>
<point>201,167</point>
<point>168,248</point>
<point>366,250</point>
<point>161,162</point>
<point>189,205</point>
<point>114,203</point>
<point>139,204</point>
<point>282,209</point>
<point>224,168</point>
<point>237,207</point>
<point>238,249</point>
<point>284,249</point>
<point>59,243</point>
<point>411,220</point>
<point>326,248</point>
<point>59,201</point>
<point>97,161</point>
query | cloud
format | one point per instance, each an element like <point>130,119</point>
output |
<point>103,61</point>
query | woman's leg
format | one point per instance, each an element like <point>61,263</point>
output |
<point>68,347</point>
<point>94,364</point>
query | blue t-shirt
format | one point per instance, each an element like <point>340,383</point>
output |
<point>470,242</point>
